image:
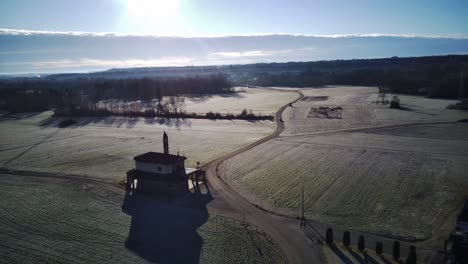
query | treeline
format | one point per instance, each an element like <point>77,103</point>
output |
<point>437,76</point>
<point>26,95</point>
<point>150,113</point>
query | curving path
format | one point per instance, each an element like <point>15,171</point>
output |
<point>285,232</point>
<point>297,245</point>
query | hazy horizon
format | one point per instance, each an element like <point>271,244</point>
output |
<point>41,52</point>
<point>52,36</point>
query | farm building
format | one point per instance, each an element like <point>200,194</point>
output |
<point>161,173</point>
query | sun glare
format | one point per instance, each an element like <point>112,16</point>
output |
<point>150,14</point>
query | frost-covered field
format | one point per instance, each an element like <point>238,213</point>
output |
<point>358,110</point>
<point>46,220</point>
<point>261,101</point>
<point>104,147</point>
<point>401,180</point>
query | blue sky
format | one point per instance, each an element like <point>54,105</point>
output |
<point>66,36</point>
<point>222,17</point>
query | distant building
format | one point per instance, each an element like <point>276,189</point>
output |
<point>161,173</point>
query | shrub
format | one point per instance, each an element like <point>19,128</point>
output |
<point>396,250</point>
<point>379,248</point>
<point>411,259</point>
<point>329,236</point>
<point>361,243</point>
<point>346,239</point>
<point>210,115</point>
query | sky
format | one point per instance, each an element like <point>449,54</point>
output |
<point>223,17</point>
<point>41,36</point>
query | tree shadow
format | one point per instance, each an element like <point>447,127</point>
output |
<point>364,259</point>
<point>345,259</point>
<point>164,229</point>
<point>370,259</point>
<point>385,260</point>
<point>19,116</point>
<point>203,98</point>
<point>117,121</point>
<point>408,109</point>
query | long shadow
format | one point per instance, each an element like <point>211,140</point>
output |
<point>203,98</point>
<point>370,259</point>
<point>164,229</point>
<point>340,254</point>
<point>118,121</point>
<point>18,116</point>
<point>364,260</point>
<point>311,232</point>
<point>404,108</point>
<point>356,256</point>
<point>385,260</point>
<point>310,235</point>
<point>310,227</point>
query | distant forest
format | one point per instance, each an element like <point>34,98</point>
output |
<point>34,94</point>
<point>436,76</point>
<point>433,76</point>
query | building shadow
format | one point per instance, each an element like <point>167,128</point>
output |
<point>164,229</point>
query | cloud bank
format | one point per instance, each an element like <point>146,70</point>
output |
<point>25,51</point>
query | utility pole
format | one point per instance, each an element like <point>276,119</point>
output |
<point>302,201</point>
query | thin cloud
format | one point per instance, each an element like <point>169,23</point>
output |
<point>241,54</point>
<point>47,51</point>
<point>97,63</point>
<point>25,32</point>
<point>259,53</point>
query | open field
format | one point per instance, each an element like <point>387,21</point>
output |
<point>261,101</point>
<point>51,220</point>
<point>358,110</point>
<point>104,147</point>
<point>400,181</point>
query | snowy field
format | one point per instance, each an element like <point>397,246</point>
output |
<point>362,171</point>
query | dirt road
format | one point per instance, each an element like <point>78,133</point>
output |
<point>286,232</point>
<point>299,243</point>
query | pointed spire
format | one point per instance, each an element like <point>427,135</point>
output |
<point>166,143</point>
